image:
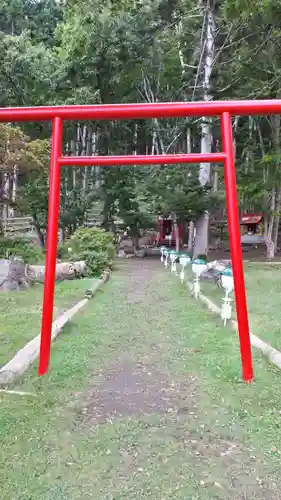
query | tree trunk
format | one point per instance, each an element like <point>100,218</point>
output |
<point>72,153</point>
<point>216,181</point>
<point>96,169</point>
<point>188,140</point>
<point>276,232</point>
<point>87,150</point>
<point>270,247</point>
<point>40,235</point>
<point>12,275</point>
<point>191,236</point>
<point>14,190</point>
<point>273,226</point>
<point>249,154</point>
<point>6,195</point>
<point>135,241</point>
<point>176,231</point>
<point>64,271</point>
<point>277,220</point>
<point>202,236</point>
<point>235,128</point>
<point>202,223</point>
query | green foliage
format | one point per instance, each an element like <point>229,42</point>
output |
<point>93,245</point>
<point>20,247</point>
<point>202,256</point>
<point>74,204</point>
<point>38,17</point>
<point>25,71</point>
<point>33,159</point>
<point>35,201</point>
<point>12,146</point>
<point>177,191</point>
<point>131,51</point>
<point>122,192</point>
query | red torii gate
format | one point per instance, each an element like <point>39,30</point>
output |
<point>224,109</point>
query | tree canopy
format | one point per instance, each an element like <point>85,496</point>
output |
<point>62,52</point>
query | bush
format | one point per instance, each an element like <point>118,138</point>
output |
<point>93,245</point>
<point>20,247</point>
<point>202,256</point>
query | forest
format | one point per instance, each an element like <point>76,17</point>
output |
<point>124,51</point>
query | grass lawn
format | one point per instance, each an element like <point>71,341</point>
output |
<point>20,313</point>
<point>263,286</point>
<point>144,400</point>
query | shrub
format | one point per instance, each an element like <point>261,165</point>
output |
<point>20,247</point>
<point>93,245</point>
<point>202,256</point>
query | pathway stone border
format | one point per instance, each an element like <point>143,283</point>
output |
<point>30,352</point>
<point>273,355</point>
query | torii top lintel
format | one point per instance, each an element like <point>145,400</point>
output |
<point>141,110</point>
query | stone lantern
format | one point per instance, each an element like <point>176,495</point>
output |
<point>228,285</point>
<point>174,256</point>
<point>199,266</point>
<point>162,251</point>
<point>184,260</point>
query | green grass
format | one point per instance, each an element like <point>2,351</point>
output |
<point>20,313</point>
<point>263,286</point>
<point>228,445</point>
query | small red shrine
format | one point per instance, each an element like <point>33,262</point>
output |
<point>252,229</point>
<point>166,232</point>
